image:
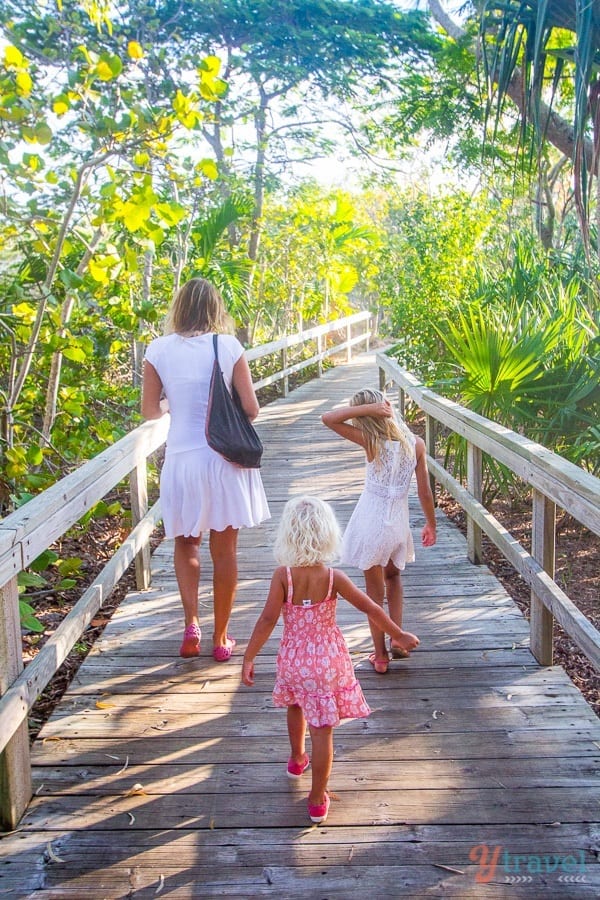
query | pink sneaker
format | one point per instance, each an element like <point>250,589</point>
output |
<point>295,770</point>
<point>319,813</point>
<point>190,645</point>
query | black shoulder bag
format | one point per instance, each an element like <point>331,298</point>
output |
<point>228,429</point>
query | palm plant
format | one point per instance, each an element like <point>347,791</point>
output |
<point>542,53</point>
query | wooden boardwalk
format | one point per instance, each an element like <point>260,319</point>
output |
<point>158,776</point>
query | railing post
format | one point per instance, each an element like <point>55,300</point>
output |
<point>286,380</point>
<point>320,354</point>
<point>475,488</point>
<point>430,432</point>
<point>382,379</point>
<point>543,538</point>
<point>401,402</point>
<point>15,765</point>
<point>368,333</point>
<point>138,489</point>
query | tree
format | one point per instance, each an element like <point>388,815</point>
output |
<point>522,49</point>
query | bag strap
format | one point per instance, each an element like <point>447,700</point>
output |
<point>215,347</point>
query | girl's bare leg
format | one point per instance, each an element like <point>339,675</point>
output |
<point>375,588</point>
<point>223,551</point>
<point>296,724</point>
<point>186,561</point>
<point>322,761</point>
<point>394,592</point>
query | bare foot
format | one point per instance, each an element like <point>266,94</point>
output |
<point>401,649</point>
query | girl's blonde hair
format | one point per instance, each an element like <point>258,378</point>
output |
<point>198,307</point>
<point>308,533</point>
<point>377,429</point>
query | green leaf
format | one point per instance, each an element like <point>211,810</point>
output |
<point>70,566</point>
<point>30,579</point>
<point>70,279</point>
<point>75,354</point>
<point>28,619</point>
<point>43,561</point>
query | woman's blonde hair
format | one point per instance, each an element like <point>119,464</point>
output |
<point>378,429</point>
<point>198,307</point>
<point>308,533</point>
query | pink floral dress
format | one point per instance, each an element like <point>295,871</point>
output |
<point>314,669</point>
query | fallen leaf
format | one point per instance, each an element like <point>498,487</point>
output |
<point>51,738</point>
<point>135,790</point>
<point>448,868</point>
<point>52,854</point>
<point>102,704</point>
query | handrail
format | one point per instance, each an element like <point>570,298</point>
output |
<point>555,482</point>
<point>27,532</point>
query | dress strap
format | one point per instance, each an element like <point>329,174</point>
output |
<point>330,584</point>
<point>290,590</point>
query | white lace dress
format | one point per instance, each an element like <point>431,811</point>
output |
<point>379,530</point>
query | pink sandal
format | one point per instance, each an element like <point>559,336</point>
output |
<point>223,653</point>
<point>380,665</point>
<point>190,646</point>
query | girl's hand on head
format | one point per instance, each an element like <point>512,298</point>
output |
<point>248,673</point>
<point>382,409</point>
<point>428,536</point>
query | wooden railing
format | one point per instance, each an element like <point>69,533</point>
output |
<point>554,482</point>
<point>26,533</point>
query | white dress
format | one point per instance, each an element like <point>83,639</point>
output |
<point>379,529</point>
<point>199,490</point>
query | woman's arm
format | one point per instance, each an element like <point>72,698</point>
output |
<point>337,419</point>
<point>266,623</point>
<point>242,382</point>
<point>348,590</point>
<point>429,531</point>
<point>152,388</point>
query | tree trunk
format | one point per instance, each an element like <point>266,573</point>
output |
<point>557,130</point>
<point>57,357</point>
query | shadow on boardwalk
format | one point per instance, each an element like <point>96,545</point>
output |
<point>475,776</point>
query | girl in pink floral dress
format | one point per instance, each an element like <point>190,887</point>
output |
<point>315,677</point>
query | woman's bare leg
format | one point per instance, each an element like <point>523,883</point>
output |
<point>223,551</point>
<point>186,561</point>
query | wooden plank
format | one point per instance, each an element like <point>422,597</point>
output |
<point>510,758</point>
<point>287,807</point>
<point>15,771</point>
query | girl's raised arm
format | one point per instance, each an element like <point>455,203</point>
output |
<point>348,590</point>
<point>265,624</point>
<point>337,419</point>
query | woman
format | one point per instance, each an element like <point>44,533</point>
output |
<point>199,489</point>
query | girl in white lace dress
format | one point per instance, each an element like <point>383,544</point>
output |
<point>378,538</point>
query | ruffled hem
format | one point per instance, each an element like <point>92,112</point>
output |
<point>324,710</point>
<point>355,553</point>
<point>199,490</point>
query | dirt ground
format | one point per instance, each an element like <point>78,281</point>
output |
<point>577,573</point>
